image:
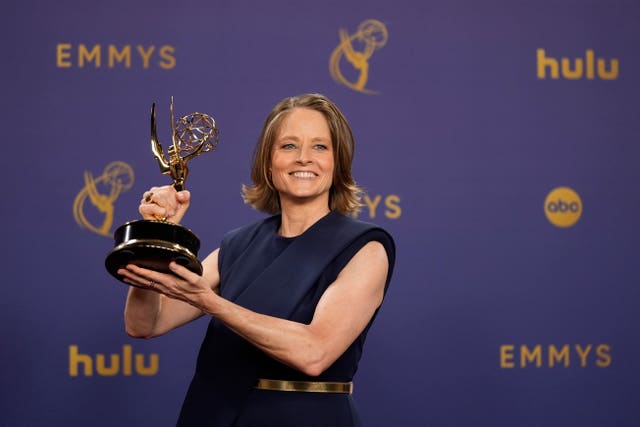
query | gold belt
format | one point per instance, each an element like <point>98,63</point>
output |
<point>306,386</point>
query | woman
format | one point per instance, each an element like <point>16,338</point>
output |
<point>291,297</point>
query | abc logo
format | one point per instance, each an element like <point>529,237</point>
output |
<point>563,207</point>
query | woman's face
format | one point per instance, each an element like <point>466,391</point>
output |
<point>302,160</point>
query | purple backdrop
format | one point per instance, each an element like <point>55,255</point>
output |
<point>514,303</point>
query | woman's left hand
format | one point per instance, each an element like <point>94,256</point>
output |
<point>183,284</point>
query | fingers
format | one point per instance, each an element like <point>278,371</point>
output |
<point>184,200</point>
<point>158,203</point>
<point>182,284</point>
<point>164,203</point>
<point>184,273</point>
<point>140,277</point>
<point>183,196</point>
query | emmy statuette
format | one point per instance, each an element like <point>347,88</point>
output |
<point>153,244</point>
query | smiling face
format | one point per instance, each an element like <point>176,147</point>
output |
<point>344,194</point>
<point>302,158</point>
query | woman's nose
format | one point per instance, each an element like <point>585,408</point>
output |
<point>303,155</point>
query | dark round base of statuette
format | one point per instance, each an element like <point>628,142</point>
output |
<point>153,245</point>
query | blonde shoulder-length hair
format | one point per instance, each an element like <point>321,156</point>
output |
<point>344,195</point>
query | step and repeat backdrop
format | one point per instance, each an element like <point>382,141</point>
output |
<point>498,141</point>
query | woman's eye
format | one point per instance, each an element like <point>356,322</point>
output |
<point>320,147</point>
<point>288,146</point>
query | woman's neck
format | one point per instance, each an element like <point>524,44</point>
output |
<point>296,219</point>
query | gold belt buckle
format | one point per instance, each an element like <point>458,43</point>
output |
<point>305,386</point>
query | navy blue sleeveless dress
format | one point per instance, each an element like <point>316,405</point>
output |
<point>283,277</point>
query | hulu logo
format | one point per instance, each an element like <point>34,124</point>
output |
<point>126,363</point>
<point>588,67</point>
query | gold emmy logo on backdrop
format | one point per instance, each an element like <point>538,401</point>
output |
<point>154,244</point>
<point>357,48</point>
<point>102,192</point>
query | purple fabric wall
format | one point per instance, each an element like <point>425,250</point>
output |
<point>512,304</point>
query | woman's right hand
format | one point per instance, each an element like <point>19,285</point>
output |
<point>164,204</point>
